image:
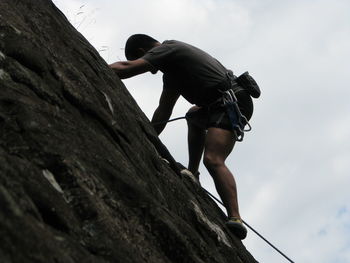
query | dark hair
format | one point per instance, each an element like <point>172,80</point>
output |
<point>135,42</point>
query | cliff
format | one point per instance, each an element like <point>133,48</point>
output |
<point>81,178</point>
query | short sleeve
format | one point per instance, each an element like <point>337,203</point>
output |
<point>159,56</point>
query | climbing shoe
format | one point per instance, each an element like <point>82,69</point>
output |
<point>237,228</point>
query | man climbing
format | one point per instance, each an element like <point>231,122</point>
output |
<point>205,82</point>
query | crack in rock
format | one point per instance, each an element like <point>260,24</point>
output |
<point>13,206</point>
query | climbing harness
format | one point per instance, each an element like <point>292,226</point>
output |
<point>251,228</point>
<point>237,119</point>
<point>230,102</point>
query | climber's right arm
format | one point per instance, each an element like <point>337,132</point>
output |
<point>127,69</point>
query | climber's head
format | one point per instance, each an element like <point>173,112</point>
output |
<point>137,45</point>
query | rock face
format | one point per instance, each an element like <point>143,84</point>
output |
<point>81,179</point>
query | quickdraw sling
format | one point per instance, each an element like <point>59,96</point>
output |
<point>230,102</point>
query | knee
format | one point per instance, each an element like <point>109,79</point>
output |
<point>212,162</point>
<point>193,119</point>
<point>193,109</point>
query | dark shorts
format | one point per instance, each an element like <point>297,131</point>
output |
<point>217,116</point>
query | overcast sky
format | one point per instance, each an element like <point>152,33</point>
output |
<point>293,168</point>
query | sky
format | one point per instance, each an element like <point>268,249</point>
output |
<point>292,170</point>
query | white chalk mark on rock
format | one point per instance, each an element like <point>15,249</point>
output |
<point>51,178</point>
<point>214,227</point>
<point>109,102</point>
<point>3,74</point>
<point>2,56</point>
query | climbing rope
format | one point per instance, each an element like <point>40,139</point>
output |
<point>175,119</point>
<point>251,228</point>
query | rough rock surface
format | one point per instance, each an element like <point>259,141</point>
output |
<point>80,177</point>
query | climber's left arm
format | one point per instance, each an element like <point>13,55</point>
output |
<point>163,112</point>
<point>127,69</point>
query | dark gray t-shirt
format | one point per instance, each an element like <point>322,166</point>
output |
<point>196,75</point>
